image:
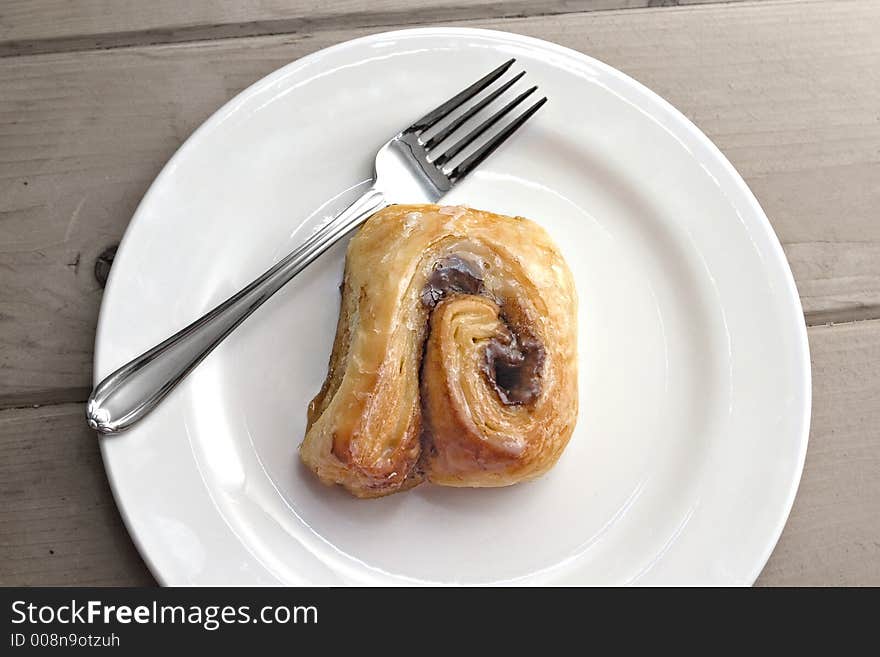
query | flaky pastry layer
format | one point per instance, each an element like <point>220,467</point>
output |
<point>455,355</point>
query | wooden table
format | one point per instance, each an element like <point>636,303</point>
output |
<point>96,96</point>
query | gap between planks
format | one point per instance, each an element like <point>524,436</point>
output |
<point>842,316</point>
<point>390,13</point>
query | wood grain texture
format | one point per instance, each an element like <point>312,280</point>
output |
<point>58,524</point>
<point>788,91</point>
<point>40,26</point>
<point>833,534</point>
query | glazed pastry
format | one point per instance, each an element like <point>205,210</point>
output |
<point>455,355</point>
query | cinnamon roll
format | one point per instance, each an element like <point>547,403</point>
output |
<point>455,355</point>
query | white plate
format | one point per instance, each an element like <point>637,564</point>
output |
<point>695,380</point>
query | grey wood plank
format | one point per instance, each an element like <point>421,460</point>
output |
<point>58,524</point>
<point>789,91</point>
<point>833,534</point>
<point>40,26</point>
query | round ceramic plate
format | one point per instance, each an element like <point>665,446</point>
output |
<point>695,380</point>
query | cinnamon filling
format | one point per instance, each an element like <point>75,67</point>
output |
<point>449,275</point>
<point>513,364</point>
<point>514,368</point>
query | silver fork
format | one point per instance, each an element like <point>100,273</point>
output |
<point>408,169</point>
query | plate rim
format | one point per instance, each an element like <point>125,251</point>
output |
<point>792,295</point>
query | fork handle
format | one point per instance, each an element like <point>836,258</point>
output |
<point>132,391</point>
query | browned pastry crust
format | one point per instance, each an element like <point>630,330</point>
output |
<point>455,355</point>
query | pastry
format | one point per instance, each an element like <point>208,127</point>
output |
<point>455,355</point>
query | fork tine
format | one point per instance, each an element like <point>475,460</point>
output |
<point>461,120</point>
<point>438,113</point>
<point>468,139</point>
<point>472,161</point>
